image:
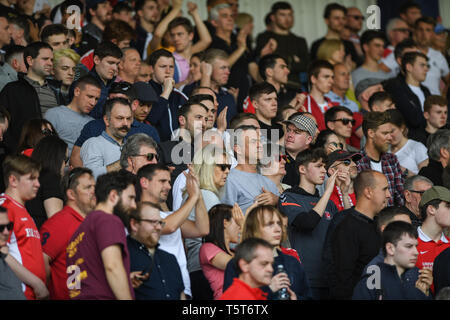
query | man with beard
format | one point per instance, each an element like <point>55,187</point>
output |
<point>79,187</point>
<point>101,154</point>
<point>377,130</point>
<point>164,282</point>
<point>97,254</point>
<point>154,180</point>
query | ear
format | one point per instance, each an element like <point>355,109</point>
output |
<point>309,140</point>
<point>365,47</point>
<point>144,183</point>
<point>70,194</point>
<point>12,181</point>
<point>269,72</point>
<point>76,91</point>
<point>191,36</point>
<point>106,120</point>
<point>426,115</point>
<point>14,64</point>
<point>444,153</point>
<point>113,197</point>
<point>182,121</point>
<point>134,105</point>
<point>302,169</point>
<point>407,195</point>
<point>243,265</point>
<point>370,133</point>
<point>214,23</point>
<point>330,125</point>
<point>29,61</point>
<point>313,79</point>
<point>367,193</point>
<point>133,225</point>
<point>97,60</point>
<point>390,249</point>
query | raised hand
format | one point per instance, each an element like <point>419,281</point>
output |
<point>191,7</point>
<point>237,215</point>
<point>234,92</point>
<point>206,69</point>
<point>267,198</point>
<point>269,48</point>
<point>425,280</point>
<point>222,120</point>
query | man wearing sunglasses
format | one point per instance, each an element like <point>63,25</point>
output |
<point>340,120</point>
<point>397,30</point>
<point>160,275</point>
<point>415,187</point>
<point>138,151</point>
<point>355,20</point>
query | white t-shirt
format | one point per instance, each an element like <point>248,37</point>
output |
<point>323,106</point>
<point>173,243</point>
<point>438,68</point>
<point>376,166</point>
<point>390,62</point>
<point>411,155</point>
<point>419,93</point>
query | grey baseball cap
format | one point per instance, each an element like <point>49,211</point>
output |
<point>366,83</point>
<point>303,123</point>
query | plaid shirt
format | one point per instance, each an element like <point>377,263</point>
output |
<point>391,169</point>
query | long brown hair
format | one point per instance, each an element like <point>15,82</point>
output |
<point>254,222</point>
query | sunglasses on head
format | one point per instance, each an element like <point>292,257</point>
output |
<point>224,166</point>
<point>150,156</point>
<point>8,226</point>
<point>346,121</point>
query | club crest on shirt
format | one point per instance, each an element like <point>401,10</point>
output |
<point>327,215</point>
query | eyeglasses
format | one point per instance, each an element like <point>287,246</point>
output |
<point>8,226</point>
<point>345,121</point>
<point>337,145</point>
<point>357,17</point>
<point>161,223</point>
<point>224,166</point>
<point>150,156</point>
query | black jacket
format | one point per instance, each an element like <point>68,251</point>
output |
<point>434,172</point>
<point>441,271</point>
<point>406,101</point>
<point>22,102</point>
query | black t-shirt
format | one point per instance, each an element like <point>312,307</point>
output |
<point>291,177</point>
<point>266,130</point>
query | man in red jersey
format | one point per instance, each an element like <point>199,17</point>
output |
<point>21,180</point>
<point>254,259</point>
<point>79,190</point>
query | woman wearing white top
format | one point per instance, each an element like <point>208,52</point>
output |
<point>412,155</point>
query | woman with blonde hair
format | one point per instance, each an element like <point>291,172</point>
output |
<point>265,222</point>
<point>332,50</point>
<point>211,165</point>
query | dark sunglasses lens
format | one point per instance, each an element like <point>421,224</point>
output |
<point>224,167</point>
<point>347,162</point>
<point>151,156</point>
<point>8,226</point>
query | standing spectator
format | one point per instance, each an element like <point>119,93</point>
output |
<point>355,240</point>
<point>439,156</point>
<point>372,43</point>
<point>381,101</point>
<point>340,120</point>
<point>163,115</point>
<point>435,112</point>
<point>215,253</point>
<point>64,62</point>
<point>159,271</point>
<point>438,66</point>
<point>122,11</point>
<point>435,213</point>
<point>129,65</point>
<point>341,85</point>
<point>334,16</point>
<point>68,120</point>
<point>415,187</point>
<point>332,50</point>
<point>99,247</point>
<point>51,154</point>
<point>399,278</point>
<point>309,215</point>
<point>29,96</point>
<point>99,14</point>
<point>56,36</point>
<point>138,151</point>
<point>274,165</point>
<point>101,154</point>
<point>354,24</point>
<point>410,11</point>
<point>254,258</point>
<point>5,29</point>
<point>14,64</point>
<point>21,176</point>
<point>377,129</point>
<point>147,13</point>
<point>79,194</point>
<point>291,47</point>
<point>145,72</point>
<point>300,131</point>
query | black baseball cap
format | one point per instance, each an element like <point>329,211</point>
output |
<point>145,92</point>
<point>340,155</point>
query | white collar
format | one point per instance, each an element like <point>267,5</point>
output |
<point>426,238</point>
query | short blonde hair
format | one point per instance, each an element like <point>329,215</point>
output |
<point>328,47</point>
<point>68,53</point>
<point>243,19</point>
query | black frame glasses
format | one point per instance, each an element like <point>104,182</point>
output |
<point>224,166</point>
<point>8,226</point>
<point>162,223</point>
<point>150,156</point>
<point>357,17</point>
<point>345,121</point>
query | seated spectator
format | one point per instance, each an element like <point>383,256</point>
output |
<point>30,96</point>
<point>365,89</point>
<point>415,187</point>
<point>21,176</point>
<point>372,43</point>
<point>381,101</point>
<point>129,65</point>
<point>99,246</point>
<point>438,145</point>
<point>441,274</point>
<point>435,112</point>
<point>195,74</point>
<point>355,240</point>
<point>265,222</point>
<point>273,166</point>
<point>64,62</point>
<point>377,129</point>
<point>225,223</point>
<point>79,194</point>
<point>341,86</point>
<point>340,120</point>
<point>411,155</point>
<point>251,276</point>
<point>51,154</point>
<point>68,120</point>
<point>101,154</point>
<point>145,71</point>
<point>163,115</point>
<point>244,184</point>
<point>14,64</point>
<point>138,151</point>
<point>309,215</point>
<point>283,114</point>
<point>328,141</point>
<point>332,50</point>
<point>165,281</point>
<point>399,278</point>
<point>56,36</point>
<point>32,132</point>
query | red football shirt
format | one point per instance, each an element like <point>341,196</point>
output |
<point>337,199</point>
<point>55,236</point>
<point>24,241</point>
<point>239,290</point>
<point>428,249</point>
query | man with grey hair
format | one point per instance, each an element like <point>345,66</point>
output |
<point>414,187</point>
<point>129,65</point>
<point>439,154</point>
<point>138,151</point>
<point>397,30</point>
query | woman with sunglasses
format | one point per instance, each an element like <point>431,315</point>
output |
<point>328,141</point>
<point>225,224</point>
<point>51,153</point>
<point>265,222</point>
<point>32,132</point>
<point>211,165</point>
<point>412,155</point>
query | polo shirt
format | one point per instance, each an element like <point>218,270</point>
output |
<point>24,242</point>
<point>239,290</point>
<point>47,97</point>
<point>165,281</point>
<point>55,236</point>
<point>429,249</point>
